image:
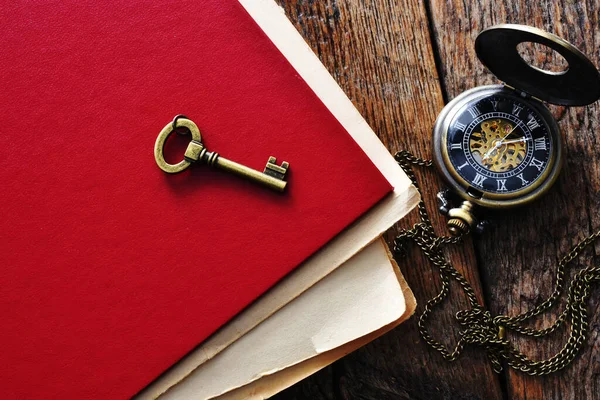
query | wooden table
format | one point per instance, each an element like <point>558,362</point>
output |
<point>400,61</point>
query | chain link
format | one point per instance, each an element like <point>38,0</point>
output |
<point>478,325</point>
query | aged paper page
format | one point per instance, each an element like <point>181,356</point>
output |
<point>362,296</point>
<point>272,384</point>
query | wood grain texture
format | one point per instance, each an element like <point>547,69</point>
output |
<point>518,256</point>
<point>380,53</point>
<point>383,54</point>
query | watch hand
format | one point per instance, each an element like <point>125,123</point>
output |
<point>490,151</point>
<point>487,153</point>
<point>498,144</point>
<point>523,139</point>
<point>501,142</point>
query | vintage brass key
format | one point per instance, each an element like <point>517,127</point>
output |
<point>273,176</point>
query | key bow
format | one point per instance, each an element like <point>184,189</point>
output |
<point>164,135</point>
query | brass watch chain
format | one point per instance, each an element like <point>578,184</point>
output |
<point>479,327</point>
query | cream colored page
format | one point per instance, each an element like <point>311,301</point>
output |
<point>360,297</point>
<point>269,385</point>
<point>364,231</point>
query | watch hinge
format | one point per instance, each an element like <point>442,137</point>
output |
<point>521,93</point>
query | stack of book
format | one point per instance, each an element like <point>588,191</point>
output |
<point>120,280</point>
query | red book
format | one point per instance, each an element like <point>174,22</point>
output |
<point>112,270</point>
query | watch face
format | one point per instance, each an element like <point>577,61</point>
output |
<point>499,144</point>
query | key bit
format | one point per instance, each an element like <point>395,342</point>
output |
<point>274,170</point>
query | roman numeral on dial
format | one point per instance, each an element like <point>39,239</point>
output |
<point>516,109</point>
<point>523,180</point>
<point>456,146</point>
<point>474,111</point>
<point>501,185</point>
<point>495,104</point>
<point>540,143</point>
<point>459,126</point>
<point>537,163</point>
<point>478,180</point>
<point>532,124</point>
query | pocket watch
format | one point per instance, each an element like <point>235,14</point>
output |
<point>498,146</point>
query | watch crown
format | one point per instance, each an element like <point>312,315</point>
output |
<point>457,227</point>
<point>461,219</point>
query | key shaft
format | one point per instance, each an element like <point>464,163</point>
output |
<point>249,173</point>
<point>196,152</point>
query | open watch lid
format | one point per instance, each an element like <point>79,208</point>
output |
<point>578,85</point>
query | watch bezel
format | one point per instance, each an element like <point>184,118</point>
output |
<point>460,185</point>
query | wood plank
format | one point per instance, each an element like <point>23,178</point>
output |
<point>518,256</point>
<point>379,52</point>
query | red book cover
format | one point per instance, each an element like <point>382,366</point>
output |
<point>112,270</point>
